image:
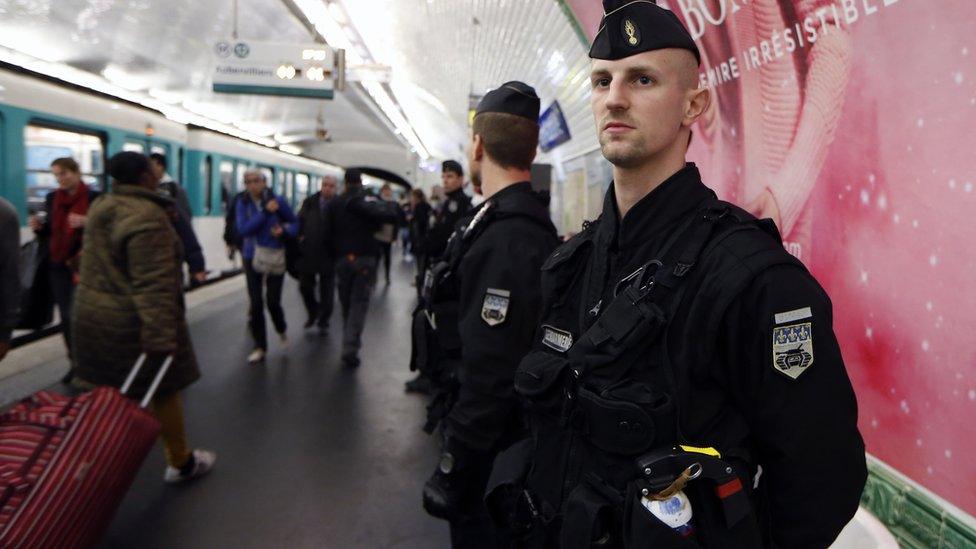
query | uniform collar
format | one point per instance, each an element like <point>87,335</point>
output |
<point>670,201</point>
<point>457,193</point>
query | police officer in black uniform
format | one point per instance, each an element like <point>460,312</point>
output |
<point>351,219</point>
<point>483,302</point>
<point>455,207</point>
<point>686,388</point>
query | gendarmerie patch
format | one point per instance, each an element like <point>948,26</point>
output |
<point>494,310</point>
<point>556,339</point>
<point>793,349</point>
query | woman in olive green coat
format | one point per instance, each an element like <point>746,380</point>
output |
<point>129,301</point>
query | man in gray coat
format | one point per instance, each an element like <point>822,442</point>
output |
<point>9,275</point>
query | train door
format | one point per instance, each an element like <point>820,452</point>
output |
<point>43,144</point>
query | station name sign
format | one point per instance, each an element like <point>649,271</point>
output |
<point>269,68</point>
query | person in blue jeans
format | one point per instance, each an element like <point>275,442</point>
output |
<point>264,220</point>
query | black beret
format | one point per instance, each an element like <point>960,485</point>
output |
<point>452,166</point>
<point>630,27</point>
<point>127,167</point>
<point>513,97</point>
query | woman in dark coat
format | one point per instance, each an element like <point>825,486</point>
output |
<point>129,301</point>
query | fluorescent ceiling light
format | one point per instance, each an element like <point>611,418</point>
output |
<point>290,149</point>
<point>98,83</point>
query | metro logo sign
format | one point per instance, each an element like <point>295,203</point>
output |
<point>266,68</point>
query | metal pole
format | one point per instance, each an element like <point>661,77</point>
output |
<point>235,19</point>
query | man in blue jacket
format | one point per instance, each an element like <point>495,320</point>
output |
<point>263,221</point>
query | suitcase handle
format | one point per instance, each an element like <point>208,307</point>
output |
<point>155,383</point>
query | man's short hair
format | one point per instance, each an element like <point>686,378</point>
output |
<point>353,177</point>
<point>255,171</point>
<point>128,167</point>
<point>67,163</point>
<point>509,140</point>
<point>452,166</point>
<point>159,158</point>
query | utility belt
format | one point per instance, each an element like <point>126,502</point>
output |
<point>598,513</point>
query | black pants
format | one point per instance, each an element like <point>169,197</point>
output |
<point>319,307</point>
<point>355,278</point>
<point>474,529</point>
<point>386,252</point>
<point>63,289</point>
<point>256,283</point>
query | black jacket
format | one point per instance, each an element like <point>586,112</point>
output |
<point>351,220</point>
<point>740,357</point>
<point>232,238</point>
<point>316,250</point>
<point>419,226</point>
<point>455,207</point>
<point>499,301</point>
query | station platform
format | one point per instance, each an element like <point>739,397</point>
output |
<point>310,454</point>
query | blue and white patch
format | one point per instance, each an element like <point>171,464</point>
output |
<point>793,349</point>
<point>494,310</point>
<point>556,339</point>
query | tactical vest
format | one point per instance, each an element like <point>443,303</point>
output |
<point>436,339</point>
<point>603,404</point>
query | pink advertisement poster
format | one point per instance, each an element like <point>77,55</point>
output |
<point>852,123</point>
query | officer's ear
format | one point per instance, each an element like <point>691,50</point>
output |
<point>698,102</point>
<point>477,147</point>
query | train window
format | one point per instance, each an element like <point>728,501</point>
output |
<point>289,180</point>
<point>239,170</point>
<point>159,149</point>
<point>134,146</point>
<point>226,183</point>
<point>43,145</point>
<point>269,178</point>
<point>207,185</point>
<point>301,185</point>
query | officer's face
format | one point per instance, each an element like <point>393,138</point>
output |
<point>451,181</point>
<point>642,103</point>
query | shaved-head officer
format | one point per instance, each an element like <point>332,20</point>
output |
<point>685,388</point>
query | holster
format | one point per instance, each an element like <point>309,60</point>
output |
<point>445,395</point>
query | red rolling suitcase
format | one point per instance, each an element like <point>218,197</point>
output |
<point>66,463</point>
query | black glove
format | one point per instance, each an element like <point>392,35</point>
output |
<point>445,490</point>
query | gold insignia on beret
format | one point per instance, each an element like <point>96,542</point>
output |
<point>631,31</point>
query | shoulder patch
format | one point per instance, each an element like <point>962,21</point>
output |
<point>452,206</point>
<point>494,309</point>
<point>793,349</point>
<point>556,339</point>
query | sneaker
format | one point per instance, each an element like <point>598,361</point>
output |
<point>284,339</point>
<point>256,356</point>
<point>200,463</point>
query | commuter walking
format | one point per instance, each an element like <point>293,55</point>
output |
<point>352,219</point>
<point>262,220</point>
<point>127,307</point>
<point>181,217</point>
<point>419,221</point>
<point>388,231</point>
<point>317,266</point>
<point>60,225</point>
<point>9,273</point>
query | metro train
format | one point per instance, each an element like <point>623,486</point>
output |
<point>41,120</point>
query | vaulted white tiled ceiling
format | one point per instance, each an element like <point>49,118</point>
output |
<point>442,51</point>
